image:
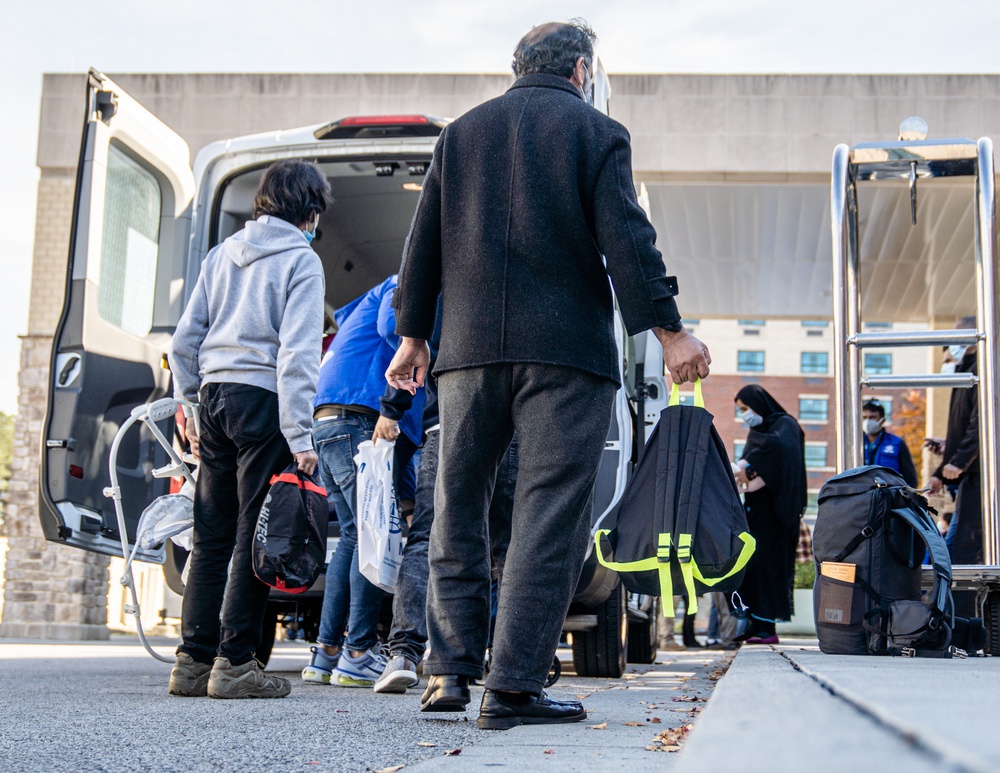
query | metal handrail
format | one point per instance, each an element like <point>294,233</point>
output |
<point>916,338</point>
<point>887,161</point>
<point>951,380</point>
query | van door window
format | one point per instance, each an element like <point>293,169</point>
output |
<point>129,243</point>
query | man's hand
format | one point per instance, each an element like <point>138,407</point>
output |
<point>934,445</point>
<point>951,472</point>
<point>385,429</point>
<point>685,356</point>
<point>408,368</point>
<point>191,431</point>
<point>935,484</point>
<point>307,461</point>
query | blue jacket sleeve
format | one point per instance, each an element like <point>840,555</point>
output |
<point>387,320</point>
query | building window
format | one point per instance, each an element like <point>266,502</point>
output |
<point>129,243</point>
<point>752,322</point>
<point>738,446</point>
<point>750,362</point>
<point>814,409</point>
<point>690,322</point>
<point>878,325</point>
<point>815,362</point>
<point>815,323</point>
<point>751,331</point>
<point>878,364</point>
<point>815,456</point>
<point>812,502</point>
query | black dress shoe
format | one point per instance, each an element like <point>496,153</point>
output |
<point>502,711</point>
<point>446,693</point>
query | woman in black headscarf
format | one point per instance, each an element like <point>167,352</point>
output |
<point>772,473</point>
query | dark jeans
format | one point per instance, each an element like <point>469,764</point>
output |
<point>409,606</point>
<point>561,416</point>
<point>241,448</point>
<point>965,543</point>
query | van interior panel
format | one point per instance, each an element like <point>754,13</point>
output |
<point>361,234</point>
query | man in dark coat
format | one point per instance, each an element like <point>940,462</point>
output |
<point>526,197</point>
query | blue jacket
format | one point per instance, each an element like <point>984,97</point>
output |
<point>353,370</point>
<point>890,451</point>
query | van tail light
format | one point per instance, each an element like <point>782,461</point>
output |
<point>383,120</point>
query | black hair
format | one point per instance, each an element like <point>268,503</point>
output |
<point>292,191</point>
<point>553,48</point>
<point>874,405</point>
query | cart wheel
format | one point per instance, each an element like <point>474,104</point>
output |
<point>991,619</point>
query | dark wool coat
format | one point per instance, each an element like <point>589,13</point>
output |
<point>525,194</point>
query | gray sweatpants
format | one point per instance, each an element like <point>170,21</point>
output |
<point>562,416</point>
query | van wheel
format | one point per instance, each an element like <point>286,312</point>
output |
<point>991,618</point>
<point>600,652</point>
<point>642,633</point>
<point>263,653</point>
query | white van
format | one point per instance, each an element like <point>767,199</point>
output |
<point>143,222</point>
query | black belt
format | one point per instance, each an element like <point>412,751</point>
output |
<point>342,412</point>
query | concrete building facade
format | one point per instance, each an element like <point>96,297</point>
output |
<point>687,131</point>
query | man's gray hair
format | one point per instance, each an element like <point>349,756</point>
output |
<point>966,323</point>
<point>554,47</point>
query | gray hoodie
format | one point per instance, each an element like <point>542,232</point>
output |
<point>256,317</point>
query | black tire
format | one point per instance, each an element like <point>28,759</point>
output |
<point>991,619</point>
<point>601,652</point>
<point>642,633</point>
<point>263,653</point>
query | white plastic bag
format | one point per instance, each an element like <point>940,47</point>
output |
<point>380,539</point>
<point>168,517</point>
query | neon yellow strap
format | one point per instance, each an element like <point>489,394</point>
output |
<point>689,568</point>
<point>687,564</point>
<point>699,399</point>
<point>749,545</point>
<point>660,562</point>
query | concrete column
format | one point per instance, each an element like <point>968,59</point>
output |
<point>50,591</point>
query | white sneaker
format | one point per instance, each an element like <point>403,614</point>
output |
<point>400,674</point>
<point>321,666</point>
<point>358,672</point>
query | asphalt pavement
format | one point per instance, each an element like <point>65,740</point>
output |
<point>105,707</point>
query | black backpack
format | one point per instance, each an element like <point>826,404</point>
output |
<point>680,522</point>
<point>289,545</point>
<point>869,518</point>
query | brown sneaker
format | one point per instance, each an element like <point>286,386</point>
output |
<point>246,681</point>
<point>188,677</point>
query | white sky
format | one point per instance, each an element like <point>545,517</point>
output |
<point>704,36</point>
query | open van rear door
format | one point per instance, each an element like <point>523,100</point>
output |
<point>124,296</point>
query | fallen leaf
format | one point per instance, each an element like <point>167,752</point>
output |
<point>656,720</point>
<point>393,769</point>
<point>602,726</point>
<point>549,751</point>
<point>673,748</point>
<point>635,724</point>
<point>453,753</point>
<point>583,697</point>
<point>428,744</point>
<point>651,706</point>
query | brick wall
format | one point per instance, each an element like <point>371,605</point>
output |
<point>50,591</point>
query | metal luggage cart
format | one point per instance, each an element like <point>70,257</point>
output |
<point>909,159</point>
<point>149,414</point>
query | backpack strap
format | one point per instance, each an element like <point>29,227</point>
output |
<point>746,552</point>
<point>941,561</point>
<point>660,563</point>
<point>858,538</point>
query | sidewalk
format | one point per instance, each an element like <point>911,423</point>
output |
<point>791,708</point>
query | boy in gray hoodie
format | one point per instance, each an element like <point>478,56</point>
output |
<point>247,349</point>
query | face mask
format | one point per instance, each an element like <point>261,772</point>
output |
<point>588,87</point>
<point>948,367</point>
<point>872,426</point>
<point>310,235</point>
<point>957,351</point>
<point>750,418</point>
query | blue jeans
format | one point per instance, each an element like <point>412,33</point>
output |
<point>350,602</point>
